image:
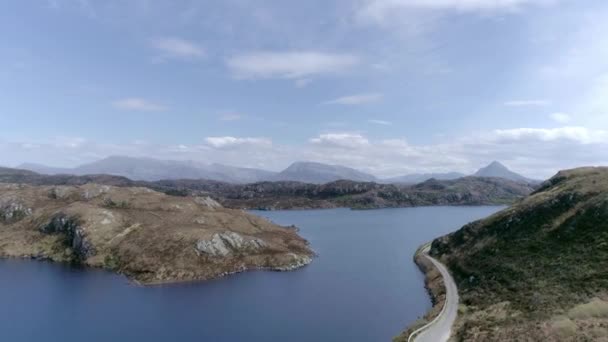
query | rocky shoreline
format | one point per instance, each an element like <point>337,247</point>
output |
<point>299,263</point>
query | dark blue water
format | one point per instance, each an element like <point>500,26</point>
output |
<point>362,287</point>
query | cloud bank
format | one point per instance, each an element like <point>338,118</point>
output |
<point>534,152</point>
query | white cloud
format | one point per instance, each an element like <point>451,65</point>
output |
<point>356,99</point>
<point>579,135</point>
<point>379,9</point>
<point>138,104</point>
<point>527,103</point>
<point>562,118</point>
<point>289,65</point>
<point>347,140</point>
<point>230,142</point>
<point>172,47</point>
<point>380,122</point>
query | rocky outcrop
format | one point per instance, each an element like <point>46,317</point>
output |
<point>229,242</point>
<point>12,210</point>
<point>74,234</point>
<point>207,201</point>
<point>148,236</point>
<point>297,261</point>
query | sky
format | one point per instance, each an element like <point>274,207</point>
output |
<point>389,87</point>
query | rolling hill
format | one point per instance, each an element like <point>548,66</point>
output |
<point>537,270</point>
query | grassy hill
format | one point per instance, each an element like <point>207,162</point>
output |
<point>537,271</point>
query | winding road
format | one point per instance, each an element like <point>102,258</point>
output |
<point>440,328</point>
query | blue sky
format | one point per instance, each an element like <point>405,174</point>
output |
<point>387,86</point>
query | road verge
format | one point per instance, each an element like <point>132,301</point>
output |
<point>435,286</point>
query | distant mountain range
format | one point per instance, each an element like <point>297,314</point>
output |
<point>415,178</point>
<point>317,173</point>
<point>297,195</point>
<point>149,169</point>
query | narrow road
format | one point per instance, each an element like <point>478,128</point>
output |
<point>440,328</point>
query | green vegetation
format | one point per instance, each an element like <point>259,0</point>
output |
<point>111,204</point>
<point>111,262</point>
<point>542,257</point>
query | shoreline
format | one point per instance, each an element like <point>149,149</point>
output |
<point>456,205</point>
<point>435,287</point>
<point>301,263</point>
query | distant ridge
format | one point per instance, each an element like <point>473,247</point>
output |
<point>318,173</point>
<point>149,169</point>
<point>421,177</point>
<point>298,195</point>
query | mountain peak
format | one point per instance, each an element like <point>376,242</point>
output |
<point>496,163</point>
<point>497,166</point>
<point>498,170</point>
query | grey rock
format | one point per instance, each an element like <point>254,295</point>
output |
<point>227,243</point>
<point>74,233</point>
<point>207,202</point>
<point>298,261</point>
<point>213,247</point>
<point>13,210</point>
<point>94,190</point>
<point>232,239</point>
<point>257,244</point>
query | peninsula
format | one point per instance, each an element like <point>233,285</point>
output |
<point>148,236</point>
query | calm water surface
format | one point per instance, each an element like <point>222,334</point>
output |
<point>362,287</point>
